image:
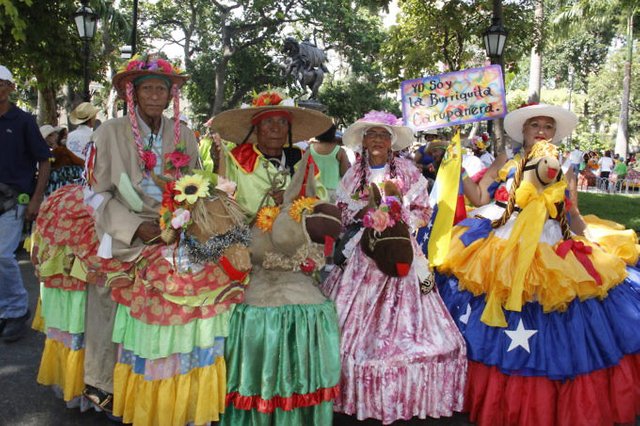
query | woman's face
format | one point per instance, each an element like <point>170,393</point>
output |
<point>377,141</point>
<point>52,140</point>
<point>538,129</point>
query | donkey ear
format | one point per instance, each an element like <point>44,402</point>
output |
<point>377,196</point>
<point>303,183</point>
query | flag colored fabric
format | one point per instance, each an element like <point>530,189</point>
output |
<point>446,194</point>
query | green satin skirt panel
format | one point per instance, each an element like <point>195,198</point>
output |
<point>317,415</point>
<point>281,360</point>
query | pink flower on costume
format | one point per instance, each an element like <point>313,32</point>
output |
<point>226,185</point>
<point>149,159</point>
<point>178,159</point>
<point>378,219</point>
<point>181,217</point>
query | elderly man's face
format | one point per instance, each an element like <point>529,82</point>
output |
<point>153,97</point>
<point>272,133</point>
<point>6,87</point>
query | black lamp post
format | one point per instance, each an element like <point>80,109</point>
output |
<point>86,20</point>
<point>495,38</point>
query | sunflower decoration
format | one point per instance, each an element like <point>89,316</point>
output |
<point>191,187</point>
<point>265,218</point>
<point>301,205</point>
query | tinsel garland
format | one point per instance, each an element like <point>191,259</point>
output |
<point>213,249</point>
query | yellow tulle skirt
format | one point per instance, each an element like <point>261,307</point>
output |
<point>486,267</point>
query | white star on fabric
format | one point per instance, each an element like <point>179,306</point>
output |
<point>464,318</point>
<point>520,337</point>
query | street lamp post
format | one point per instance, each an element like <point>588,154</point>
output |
<point>495,38</point>
<point>86,20</point>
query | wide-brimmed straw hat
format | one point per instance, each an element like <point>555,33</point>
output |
<point>565,120</point>
<point>148,64</point>
<point>83,112</point>
<point>401,136</point>
<point>235,124</point>
<point>47,129</point>
<point>436,144</point>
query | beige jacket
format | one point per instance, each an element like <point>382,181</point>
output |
<point>117,179</point>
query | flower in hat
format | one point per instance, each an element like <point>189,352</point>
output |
<point>382,117</point>
<point>266,98</point>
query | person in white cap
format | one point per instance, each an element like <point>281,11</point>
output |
<point>83,116</point>
<point>24,152</point>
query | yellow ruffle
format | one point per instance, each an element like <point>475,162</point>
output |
<point>62,367</point>
<point>487,267</point>
<point>614,238</point>
<point>38,322</point>
<point>197,397</point>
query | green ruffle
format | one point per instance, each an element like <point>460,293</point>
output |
<point>159,341</point>
<point>279,351</point>
<point>318,415</point>
<point>63,309</point>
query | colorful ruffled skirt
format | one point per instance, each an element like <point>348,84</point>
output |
<point>567,350</point>
<point>402,355</point>
<point>283,362</point>
<point>171,321</point>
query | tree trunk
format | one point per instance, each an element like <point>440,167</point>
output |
<point>47,110</point>
<point>535,69</point>
<point>622,137</point>
<point>221,69</point>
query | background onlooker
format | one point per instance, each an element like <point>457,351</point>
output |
<point>331,159</point>
<point>84,116</point>
<point>66,167</point>
<point>24,153</point>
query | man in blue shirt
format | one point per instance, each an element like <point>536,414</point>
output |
<point>23,153</point>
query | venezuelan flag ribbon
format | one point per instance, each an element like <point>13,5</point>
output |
<point>447,187</point>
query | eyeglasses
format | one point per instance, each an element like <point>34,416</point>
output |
<point>381,135</point>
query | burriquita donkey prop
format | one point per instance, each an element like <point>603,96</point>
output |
<point>283,346</point>
<point>169,289</point>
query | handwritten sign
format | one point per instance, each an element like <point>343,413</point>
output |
<point>454,98</point>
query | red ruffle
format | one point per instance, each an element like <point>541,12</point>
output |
<point>604,397</point>
<point>242,402</point>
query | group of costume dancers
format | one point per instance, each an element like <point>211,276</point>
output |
<point>172,296</point>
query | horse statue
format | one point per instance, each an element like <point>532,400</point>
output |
<point>283,346</point>
<point>305,62</point>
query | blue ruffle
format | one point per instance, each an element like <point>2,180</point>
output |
<point>590,335</point>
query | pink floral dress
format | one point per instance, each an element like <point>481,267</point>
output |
<point>402,355</point>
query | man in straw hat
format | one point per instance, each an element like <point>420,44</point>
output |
<point>23,152</point>
<point>83,116</point>
<point>128,155</point>
<point>264,160</point>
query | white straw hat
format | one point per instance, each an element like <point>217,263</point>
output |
<point>565,120</point>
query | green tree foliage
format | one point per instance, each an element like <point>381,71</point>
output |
<point>433,32</point>
<point>11,20</point>
<point>348,100</point>
<point>234,48</point>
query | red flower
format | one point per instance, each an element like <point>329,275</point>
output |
<point>177,159</point>
<point>395,211</point>
<point>267,98</point>
<point>166,66</point>
<point>502,194</point>
<point>149,159</point>
<point>168,194</point>
<point>308,266</point>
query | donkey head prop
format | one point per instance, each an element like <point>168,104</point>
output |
<point>386,238</point>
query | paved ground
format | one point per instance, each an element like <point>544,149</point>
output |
<point>25,403</point>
